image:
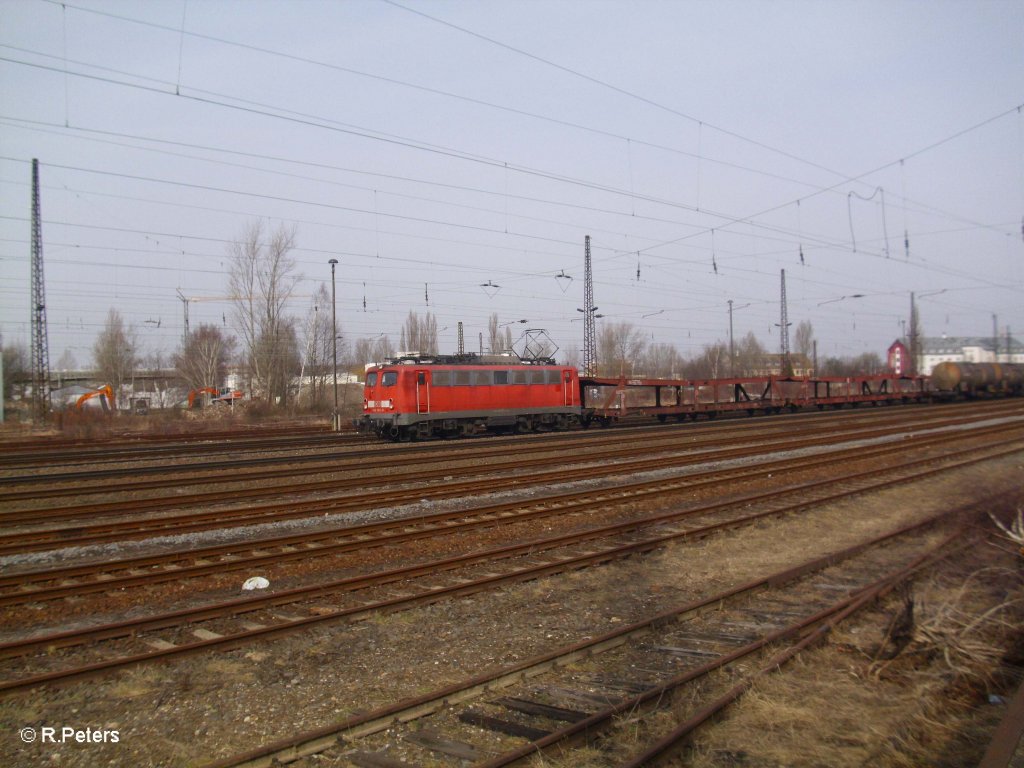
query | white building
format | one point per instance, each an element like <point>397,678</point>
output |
<point>968,349</point>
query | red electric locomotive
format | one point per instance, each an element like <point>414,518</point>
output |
<point>456,395</point>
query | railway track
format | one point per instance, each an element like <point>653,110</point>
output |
<point>41,452</point>
<point>446,481</point>
<point>236,622</point>
<point>40,481</point>
<point>501,716</point>
<point>34,586</point>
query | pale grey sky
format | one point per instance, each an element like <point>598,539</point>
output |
<point>437,149</point>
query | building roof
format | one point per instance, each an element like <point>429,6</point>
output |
<point>953,345</point>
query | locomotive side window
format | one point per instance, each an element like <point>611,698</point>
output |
<point>462,378</point>
<point>441,379</point>
<point>371,379</point>
<point>390,378</point>
<point>482,378</point>
<point>501,377</point>
<point>519,377</point>
<point>552,376</point>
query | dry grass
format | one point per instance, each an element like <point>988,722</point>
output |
<point>840,706</point>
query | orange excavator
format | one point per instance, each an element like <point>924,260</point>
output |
<point>106,395</point>
<point>197,393</point>
<point>216,395</point>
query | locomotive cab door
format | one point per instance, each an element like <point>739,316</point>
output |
<point>422,392</point>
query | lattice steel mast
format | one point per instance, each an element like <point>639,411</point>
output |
<point>787,368</point>
<point>40,341</point>
<point>589,331</point>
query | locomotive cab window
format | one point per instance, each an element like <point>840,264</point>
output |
<point>390,378</point>
<point>371,379</point>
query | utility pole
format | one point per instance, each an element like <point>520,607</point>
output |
<point>336,420</point>
<point>784,324</point>
<point>40,339</point>
<point>913,336</point>
<point>589,330</point>
<point>995,338</point>
<point>184,300</point>
<point>732,349</point>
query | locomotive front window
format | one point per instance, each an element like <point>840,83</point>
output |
<point>371,379</point>
<point>390,378</point>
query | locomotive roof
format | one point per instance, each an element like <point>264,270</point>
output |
<point>469,358</point>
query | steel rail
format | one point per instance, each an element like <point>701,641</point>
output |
<point>231,608</point>
<point>815,632</point>
<point>383,457</point>
<point>340,540</point>
<point>38,540</point>
<point>286,750</point>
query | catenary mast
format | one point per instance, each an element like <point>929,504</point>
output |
<point>40,341</point>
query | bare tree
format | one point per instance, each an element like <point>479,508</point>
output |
<point>712,363</point>
<point>864,364</point>
<point>318,362</point>
<point>661,361</point>
<point>372,350</point>
<point>804,338</point>
<point>750,355</point>
<point>116,352</point>
<point>619,348</point>
<point>261,279</point>
<point>16,365</point>
<point>419,335</point>
<point>203,359</point>
<point>499,340</point>
<point>572,358</point>
<point>67,361</point>
<point>493,331</point>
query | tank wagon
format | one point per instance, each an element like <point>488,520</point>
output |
<point>416,397</point>
<point>949,380</point>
